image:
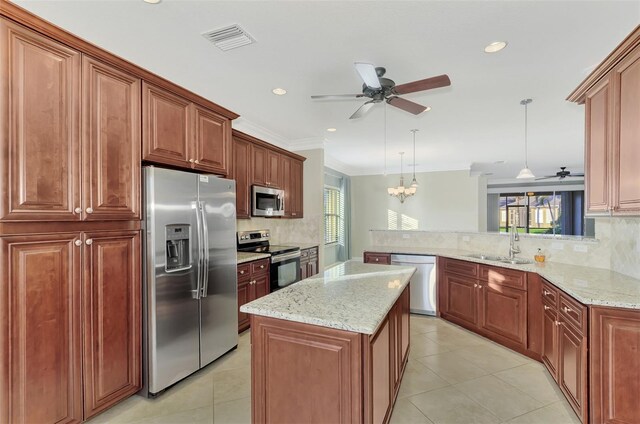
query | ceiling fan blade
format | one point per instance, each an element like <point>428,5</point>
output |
<point>575,175</point>
<point>547,177</point>
<point>368,74</point>
<point>406,105</point>
<point>425,84</point>
<point>337,96</point>
<point>362,110</point>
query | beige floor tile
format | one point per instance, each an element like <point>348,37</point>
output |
<point>451,367</point>
<point>424,324</point>
<point>195,416</point>
<point>231,384</point>
<point>233,412</point>
<point>455,338</point>
<point>450,406</point>
<point>239,358</point>
<point>502,399</point>
<point>534,380</point>
<point>557,413</point>
<point>405,412</point>
<point>491,359</point>
<point>422,346</point>
<point>418,378</point>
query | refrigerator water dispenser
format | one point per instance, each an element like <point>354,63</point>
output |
<point>177,247</point>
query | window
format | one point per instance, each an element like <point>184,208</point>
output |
<point>333,215</point>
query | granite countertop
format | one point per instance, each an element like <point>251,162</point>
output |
<point>591,286</point>
<point>304,246</point>
<point>351,296</point>
<point>250,256</point>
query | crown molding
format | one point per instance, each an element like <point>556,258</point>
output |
<point>260,132</point>
<point>308,143</point>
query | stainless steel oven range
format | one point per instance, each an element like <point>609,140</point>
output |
<point>285,260</point>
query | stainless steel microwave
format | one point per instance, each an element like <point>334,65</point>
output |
<point>267,201</point>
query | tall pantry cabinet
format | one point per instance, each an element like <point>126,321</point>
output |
<point>69,231</point>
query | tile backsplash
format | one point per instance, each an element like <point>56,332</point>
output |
<point>616,246</point>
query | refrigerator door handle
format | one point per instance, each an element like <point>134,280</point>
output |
<point>196,293</point>
<point>205,253</point>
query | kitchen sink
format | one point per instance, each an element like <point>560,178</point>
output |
<point>503,259</point>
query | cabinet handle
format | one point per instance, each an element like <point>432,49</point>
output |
<point>293,214</point>
<point>191,160</point>
<point>89,242</point>
<point>557,323</point>
<point>77,210</point>
<point>196,161</point>
<point>89,209</point>
<point>261,266</point>
<point>567,310</point>
<point>546,293</point>
<point>78,242</point>
<point>377,259</point>
<point>241,272</point>
<point>546,308</point>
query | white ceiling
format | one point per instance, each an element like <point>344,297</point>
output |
<point>308,47</point>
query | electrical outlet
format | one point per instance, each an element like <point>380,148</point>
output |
<point>582,248</point>
<point>406,236</point>
<point>466,238</point>
<point>557,246</point>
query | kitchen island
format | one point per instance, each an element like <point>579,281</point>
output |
<point>331,348</point>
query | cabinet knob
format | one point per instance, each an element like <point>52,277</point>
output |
<point>567,310</point>
<point>253,282</point>
<point>261,266</point>
<point>191,160</point>
<point>89,242</point>
<point>377,259</point>
<point>241,272</point>
<point>78,242</point>
<point>557,323</point>
<point>77,210</point>
<point>89,209</point>
<point>196,161</point>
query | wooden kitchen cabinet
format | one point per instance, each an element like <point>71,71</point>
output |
<point>612,115</point>
<point>253,283</point>
<point>550,340</point>
<point>295,188</point>
<point>40,121</point>
<point>181,133</point>
<point>259,164</point>
<point>241,174</point>
<point>503,312</point>
<point>572,367</point>
<point>273,169</point>
<point>377,258</point>
<point>381,368</point>
<point>460,300</point>
<point>308,262</point>
<point>74,303</point>
<point>614,365</point>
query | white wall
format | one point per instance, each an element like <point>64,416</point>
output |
<point>450,200</point>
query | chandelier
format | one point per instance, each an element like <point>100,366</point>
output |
<point>402,192</point>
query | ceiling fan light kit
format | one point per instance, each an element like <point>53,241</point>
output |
<point>525,173</point>
<point>379,89</point>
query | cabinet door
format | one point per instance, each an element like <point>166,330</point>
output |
<point>381,373</point>
<point>40,361</point>
<point>243,297</point>
<point>550,340</point>
<point>111,142</point>
<point>260,286</point>
<point>572,368</point>
<point>626,135</point>
<point>405,318</point>
<point>166,135</point>
<point>212,141</point>
<point>614,346</point>
<point>295,200</point>
<point>503,312</point>
<point>597,136</point>
<point>461,299</point>
<point>258,165</point>
<point>312,267</point>
<point>304,269</point>
<point>40,123</point>
<point>273,177</point>
<point>111,317</point>
<point>241,172</point>
<point>285,169</point>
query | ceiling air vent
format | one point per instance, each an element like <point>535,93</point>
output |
<point>228,38</point>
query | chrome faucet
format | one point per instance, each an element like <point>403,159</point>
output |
<point>513,238</point>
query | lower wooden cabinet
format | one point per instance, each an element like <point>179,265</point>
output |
<point>572,368</point>
<point>377,258</point>
<point>68,334</point>
<point>459,299</point>
<point>550,340</point>
<point>614,365</point>
<point>503,313</point>
<point>308,262</point>
<point>253,283</point>
<point>382,371</point>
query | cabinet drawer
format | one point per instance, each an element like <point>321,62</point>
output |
<point>259,267</point>
<point>504,277</point>
<point>377,258</point>
<point>313,252</point>
<point>574,312</point>
<point>304,254</point>
<point>244,272</point>
<point>549,293</point>
<point>468,269</point>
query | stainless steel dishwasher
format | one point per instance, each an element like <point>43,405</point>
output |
<point>423,283</point>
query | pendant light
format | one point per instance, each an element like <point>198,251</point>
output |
<point>525,173</point>
<point>414,182</point>
<point>401,192</point>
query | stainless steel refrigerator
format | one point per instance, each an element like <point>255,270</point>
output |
<point>190,288</point>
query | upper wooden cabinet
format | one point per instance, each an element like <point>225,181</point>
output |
<point>295,188</point>
<point>242,175</point>
<point>274,172</point>
<point>42,175</point>
<point>258,158</point>
<point>612,130</point>
<point>40,124</point>
<point>178,132</point>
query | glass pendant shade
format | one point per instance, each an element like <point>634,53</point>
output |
<point>525,173</point>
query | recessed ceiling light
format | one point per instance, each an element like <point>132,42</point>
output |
<point>332,129</point>
<point>496,46</point>
<point>279,91</point>
<point>152,1</point>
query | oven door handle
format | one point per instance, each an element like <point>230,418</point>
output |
<point>284,257</point>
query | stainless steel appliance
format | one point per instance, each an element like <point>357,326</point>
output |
<point>285,260</point>
<point>423,283</point>
<point>190,289</point>
<point>267,201</point>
